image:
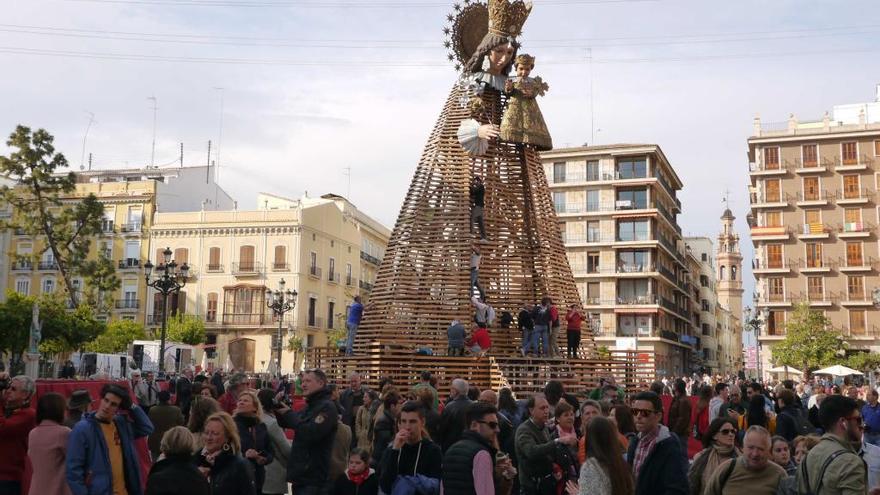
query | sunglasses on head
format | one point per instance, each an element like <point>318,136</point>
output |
<point>643,412</point>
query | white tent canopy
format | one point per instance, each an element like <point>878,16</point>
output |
<point>837,370</point>
<point>785,369</point>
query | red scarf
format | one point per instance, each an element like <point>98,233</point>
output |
<point>358,478</point>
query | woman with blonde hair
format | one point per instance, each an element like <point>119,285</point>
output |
<point>255,442</point>
<point>200,410</point>
<point>220,459</point>
<point>174,472</point>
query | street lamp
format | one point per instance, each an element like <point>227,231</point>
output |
<point>280,301</point>
<point>753,319</point>
<point>169,280</point>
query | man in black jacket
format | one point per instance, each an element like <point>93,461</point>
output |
<point>469,466</point>
<point>655,455</point>
<point>314,427</point>
<point>411,458</point>
<point>792,418</point>
<point>452,420</point>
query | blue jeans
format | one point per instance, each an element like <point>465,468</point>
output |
<point>528,344</point>
<point>542,334</point>
<point>349,340</point>
<point>873,438</point>
<point>475,282</point>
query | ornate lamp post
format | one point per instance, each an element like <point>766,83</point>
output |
<point>280,301</point>
<point>169,280</point>
<point>755,319</point>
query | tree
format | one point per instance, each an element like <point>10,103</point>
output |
<point>866,362</point>
<point>186,329</point>
<point>117,337</point>
<point>810,342</point>
<point>15,323</point>
<point>42,209</point>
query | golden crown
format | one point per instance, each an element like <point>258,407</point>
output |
<point>524,59</point>
<point>507,18</point>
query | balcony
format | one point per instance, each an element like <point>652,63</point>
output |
<point>315,272</point>
<point>808,167</point>
<point>213,268</point>
<point>365,286</point>
<point>855,264</point>
<point>855,299</point>
<point>852,163</point>
<point>22,266</point>
<point>107,227</point>
<point>128,305</point>
<point>765,169</point>
<point>333,277</point>
<point>129,264</point>
<point>764,200</point>
<point>580,208</point>
<point>762,233</point>
<point>131,228</point>
<point>640,300</point>
<point>814,198</point>
<point>814,299</point>
<point>669,190</point>
<point>855,196</point>
<point>247,269</point>
<point>47,266</point>
<point>315,322</point>
<point>774,300</point>
<point>247,319</point>
<point>854,230</point>
<point>814,265</point>
<point>861,332</point>
<point>586,238</point>
<point>814,231</point>
<point>370,258</point>
<point>19,231</point>
<point>350,281</point>
<point>280,267</point>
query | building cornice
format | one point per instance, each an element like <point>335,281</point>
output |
<point>172,232</point>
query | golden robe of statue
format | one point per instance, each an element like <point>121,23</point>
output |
<point>523,121</point>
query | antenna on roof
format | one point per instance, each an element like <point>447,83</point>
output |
<point>85,136</point>
<point>181,155</point>
<point>208,165</point>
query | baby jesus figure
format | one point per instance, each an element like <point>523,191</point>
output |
<point>523,122</point>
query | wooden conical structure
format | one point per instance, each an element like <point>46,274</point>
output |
<point>423,282</point>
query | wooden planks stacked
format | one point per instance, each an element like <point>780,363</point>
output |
<point>423,282</point>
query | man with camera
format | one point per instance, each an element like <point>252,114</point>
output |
<point>16,422</point>
<point>101,455</point>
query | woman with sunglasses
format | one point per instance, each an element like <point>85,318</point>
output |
<point>718,446</point>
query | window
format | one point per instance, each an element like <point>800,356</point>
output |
<point>855,287</point>
<point>776,323</point>
<point>592,200</point>
<point>246,258</point>
<point>774,255</point>
<point>558,172</point>
<point>704,257</point>
<point>593,170</point>
<point>632,230</point>
<point>876,148</point>
<point>636,199</point>
<point>633,261</point>
<point>332,269</point>
<point>214,260</point>
<point>733,273</point>
<point>721,272</point>
<point>634,291</point>
<point>181,256</point>
<point>313,307</point>
<point>852,216</point>
<point>772,193</point>
<point>135,217</point>
<point>811,157</point>
<point>132,252</point>
<point>23,286</point>
<point>854,254</point>
<point>330,307</point>
<point>850,152</point>
<point>857,321</point>
<point>592,293</point>
<point>773,219</point>
<point>629,325</point>
<point>593,232</point>
<point>348,280</point>
<point>814,255</point>
<point>850,186</point>
<point>812,216</point>
<point>48,285</point>
<point>771,158</point>
<point>280,262</point>
<point>244,304</point>
<point>811,188</point>
<point>775,289</point>
<point>313,260</point>
<point>592,262</point>
<point>211,312</point>
<point>815,288</point>
<point>559,201</point>
<point>632,168</point>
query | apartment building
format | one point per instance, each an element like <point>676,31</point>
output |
<point>130,197</point>
<point>814,218</point>
<point>617,210</point>
<point>316,245</point>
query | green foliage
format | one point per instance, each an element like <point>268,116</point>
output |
<point>295,344</point>
<point>186,329</point>
<point>810,342</point>
<point>117,337</point>
<point>865,362</point>
<point>15,322</point>
<point>62,330</point>
<point>66,228</point>
<point>603,352</point>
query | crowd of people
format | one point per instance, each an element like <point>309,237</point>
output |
<point>224,435</point>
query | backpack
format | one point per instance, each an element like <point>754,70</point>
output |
<point>821,472</point>
<point>802,425</point>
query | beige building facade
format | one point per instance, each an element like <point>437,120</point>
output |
<point>814,218</point>
<point>617,208</point>
<point>316,245</point>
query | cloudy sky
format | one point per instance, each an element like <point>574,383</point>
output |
<point>312,87</point>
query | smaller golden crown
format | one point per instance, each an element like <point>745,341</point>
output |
<point>507,18</point>
<point>524,59</point>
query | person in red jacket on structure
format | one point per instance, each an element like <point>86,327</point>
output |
<point>480,342</point>
<point>16,422</point>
